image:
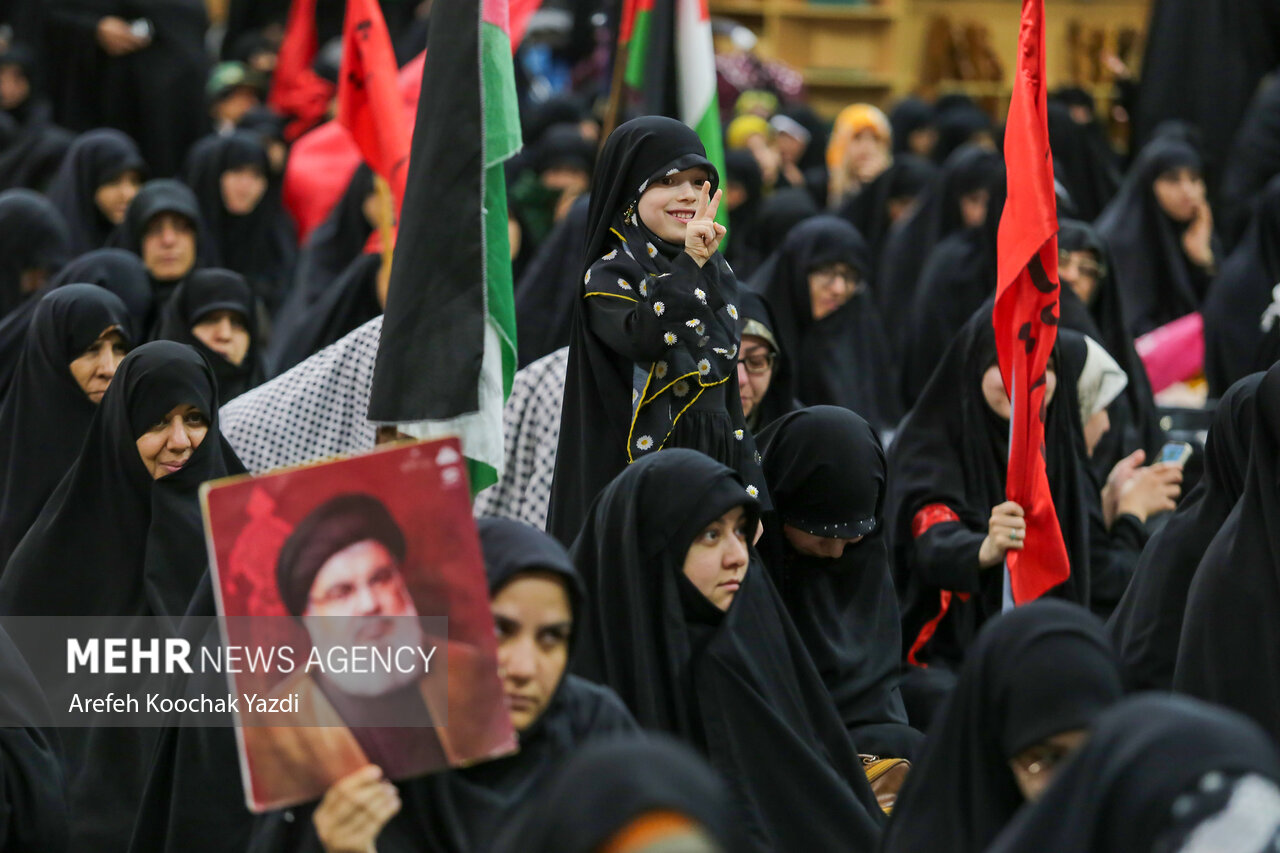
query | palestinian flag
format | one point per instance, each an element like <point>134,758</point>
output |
<point>448,348</point>
<point>669,66</point>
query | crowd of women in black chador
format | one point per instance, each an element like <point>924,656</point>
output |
<point>778,522</point>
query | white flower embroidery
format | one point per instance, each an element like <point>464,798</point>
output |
<point>660,369</point>
<point>644,442</point>
<point>644,187</point>
<point>680,388</point>
<point>586,279</point>
<point>720,351</point>
<point>634,221</point>
<point>733,352</point>
<point>644,289</point>
<point>753,491</point>
<point>737,433</point>
<point>700,294</point>
<point>704,367</point>
<point>658,308</point>
<point>670,172</point>
<point>622,282</point>
<point>613,253</point>
<point>693,324</point>
<point>733,311</point>
<point>635,395</point>
<point>653,250</point>
<point>668,338</point>
<point>701,329</point>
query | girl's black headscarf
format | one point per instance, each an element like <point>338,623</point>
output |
<point>1241,293</point>
<point>1229,651</point>
<point>111,540</point>
<point>164,195</point>
<point>937,215</point>
<point>33,235</point>
<point>607,785</point>
<point>953,450</point>
<point>260,245</point>
<point>1158,283</point>
<point>758,319</point>
<point>1135,422</point>
<point>96,158</point>
<point>1082,160</point>
<point>1118,793</point>
<point>46,414</point>
<point>461,810</point>
<point>1148,622</point>
<point>204,292</point>
<point>738,685</point>
<point>115,270</point>
<point>826,473</point>
<point>1042,669</point>
<point>868,211</point>
<point>547,289</point>
<point>844,359</point>
<point>619,408</point>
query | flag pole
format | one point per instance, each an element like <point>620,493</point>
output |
<point>387,233</point>
<point>621,55</point>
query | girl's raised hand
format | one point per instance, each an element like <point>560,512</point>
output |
<point>703,234</point>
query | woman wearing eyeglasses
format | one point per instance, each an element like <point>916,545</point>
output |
<point>765,383</point>
<point>818,284</point>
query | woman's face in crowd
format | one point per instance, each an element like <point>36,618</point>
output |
<point>716,562</point>
<point>755,371</point>
<point>242,189</point>
<point>169,246</point>
<point>113,197</point>
<point>809,545</point>
<point>224,332</point>
<point>1034,767</point>
<point>973,207</point>
<point>534,622</point>
<point>94,368</point>
<point>998,400</point>
<point>1179,192</point>
<point>669,203</point>
<point>169,443</point>
<point>1080,271</point>
<point>830,287</point>
<point>866,156</point>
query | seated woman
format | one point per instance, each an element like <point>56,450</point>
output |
<point>76,341</point>
<point>1159,229</point>
<point>951,523</point>
<point>820,291</point>
<point>824,545</point>
<point>33,246</point>
<point>1148,621</point>
<point>687,627</point>
<point>100,175</point>
<point>164,229</point>
<point>122,536</point>
<point>1031,688</point>
<point>1160,774</point>
<point>536,597</point>
<point>765,384</point>
<point>859,151</point>
<point>214,311</point>
<point>626,795</point>
<point>249,231</point>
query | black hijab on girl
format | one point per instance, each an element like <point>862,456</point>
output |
<point>1233,310</point>
<point>654,345</point>
<point>826,472</point>
<point>33,236</point>
<point>843,359</point>
<point>45,414</point>
<point>1229,651</point>
<point>947,469</point>
<point>738,685</point>
<point>460,810</point>
<point>115,270</point>
<point>1158,282</point>
<point>96,158</point>
<point>259,245</point>
<point>1040,670</point>
<point>609,784</point>
<point>1156,770</point>
<point>1147,624</point>
<point>204,292</point>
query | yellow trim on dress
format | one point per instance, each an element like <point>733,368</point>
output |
<point>614,295</point>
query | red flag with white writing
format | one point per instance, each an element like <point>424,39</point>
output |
<point>1026,313</point>
<point>369,101</point>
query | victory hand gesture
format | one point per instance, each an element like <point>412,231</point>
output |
<point>703,234</point>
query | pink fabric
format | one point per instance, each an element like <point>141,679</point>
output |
<point>1174,352</point>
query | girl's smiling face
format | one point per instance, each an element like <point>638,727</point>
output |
<point>669,202</point>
